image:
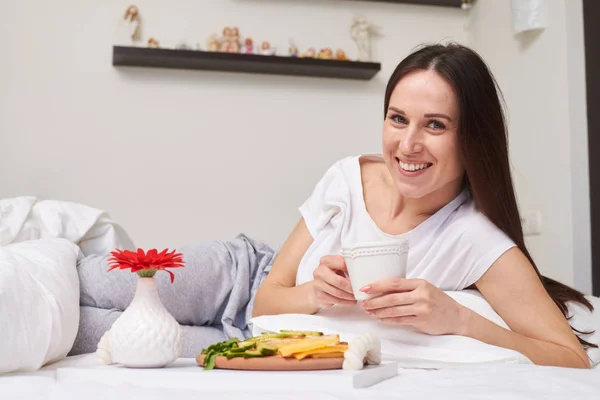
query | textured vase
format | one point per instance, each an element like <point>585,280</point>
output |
<point>146,335</point>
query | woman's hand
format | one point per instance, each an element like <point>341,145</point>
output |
<point>330,285</point>
<point>417,303</point>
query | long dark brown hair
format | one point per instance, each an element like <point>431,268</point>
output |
<point>483,142</point>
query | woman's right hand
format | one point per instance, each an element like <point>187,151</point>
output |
<point>330,285</point>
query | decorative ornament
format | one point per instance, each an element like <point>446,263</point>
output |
<point>145,335</point>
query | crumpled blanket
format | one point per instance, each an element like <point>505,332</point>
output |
<point>29,218</point>
<point>212,295</point>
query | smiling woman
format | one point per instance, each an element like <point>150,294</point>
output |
<point>443,182</point>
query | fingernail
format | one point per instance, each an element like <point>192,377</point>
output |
<point>365,288</point>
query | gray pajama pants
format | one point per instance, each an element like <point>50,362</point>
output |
<point>212,295</point>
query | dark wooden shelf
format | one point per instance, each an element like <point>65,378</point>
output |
<point>250,63</point>
<point>443,3</point>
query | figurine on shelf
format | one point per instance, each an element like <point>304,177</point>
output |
<point>213,43</point>
<point>183,46</point>
<point>153,43</point>
<point>293,50</point>
<point>230,42</point>
<point>310,53</point>
<point>248,46</point>
<point>341,55</point>
<point>326,54</point>
<point>129,28</point>
<point>266,49</point>
<point>361,33</point>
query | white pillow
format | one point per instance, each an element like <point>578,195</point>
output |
<point>408,347</point>
<point>416,350</point>
<point>39,303</point>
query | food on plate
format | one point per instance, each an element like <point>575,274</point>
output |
<point>297,345</point>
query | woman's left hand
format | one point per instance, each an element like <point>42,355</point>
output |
<point>417,303</point>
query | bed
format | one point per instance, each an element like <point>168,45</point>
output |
<point>84,377</point>
<point>45,279</point>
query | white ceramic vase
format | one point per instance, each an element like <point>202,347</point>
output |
<point>146,335</point>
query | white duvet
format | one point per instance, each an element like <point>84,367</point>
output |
<point>40,242</point>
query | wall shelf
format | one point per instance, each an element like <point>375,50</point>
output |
<point>249,63</point>
<point>442,3</point>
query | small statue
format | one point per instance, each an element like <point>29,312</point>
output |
<point>129,29</point>
<point>293,50</point>
<point>361,33</point>
<point>248,46</point>
<point>153,43</point>
<point>310,53</point>
<point>266,49</point>
<point>183,46</point>
<point>341,55</point>
<point>213,43</point>
<point>230,42</point>
<point>326,54</point>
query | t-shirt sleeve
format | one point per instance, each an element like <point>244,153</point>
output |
<point>483,244</point>
<point>328,200</point>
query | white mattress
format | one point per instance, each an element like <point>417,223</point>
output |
<point>82,377</point>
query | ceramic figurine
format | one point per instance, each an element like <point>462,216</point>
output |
<point>235,45</point>
<point>129,28</point>
<point>341,55</point>
<point>248,46</point>
<point>183,46</point>
<point>266,49</point>
<point>230,42</point>
<point>293,50</point>
<point>153,43</point>
<point>224,41</point>
<point>326,54</point>
<point>310,53</point>
<point>361,34</point>
<point>213,43</point>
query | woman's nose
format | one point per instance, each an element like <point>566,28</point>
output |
<point>411,142</point>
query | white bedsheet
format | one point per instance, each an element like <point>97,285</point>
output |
<point>491,382</point>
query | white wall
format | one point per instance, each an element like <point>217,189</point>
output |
<point>541,75</point>
<point>188,156</point>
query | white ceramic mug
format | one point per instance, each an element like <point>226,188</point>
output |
<point>374,261</point>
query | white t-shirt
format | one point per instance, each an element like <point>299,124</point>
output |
<point>452,249</point>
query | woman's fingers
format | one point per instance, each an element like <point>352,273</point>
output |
<point>336,292</point>
<point>336,263</point>
<point>388,300</point>
<point>395,312</point>
<point>328,300</point>
<point>326,274</point>
<point>393,285</point>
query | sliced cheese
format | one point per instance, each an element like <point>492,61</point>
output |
<point>335,349</point>
<point>304,345</point>
<point>339,354</point>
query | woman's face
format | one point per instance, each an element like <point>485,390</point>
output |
<point>420,138</point>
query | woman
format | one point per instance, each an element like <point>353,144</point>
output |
<point>444,182</point>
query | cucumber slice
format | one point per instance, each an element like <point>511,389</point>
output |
<point>302,333</point>
<point>243,348</point>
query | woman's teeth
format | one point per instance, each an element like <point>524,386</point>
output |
<point>413,167</point>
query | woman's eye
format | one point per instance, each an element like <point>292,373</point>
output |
<point>399,119</point>
<point>436,125</point>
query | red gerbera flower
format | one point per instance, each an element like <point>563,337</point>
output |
<point>145,264</point>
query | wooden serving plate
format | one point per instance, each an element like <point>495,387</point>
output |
<point>275,363</point>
